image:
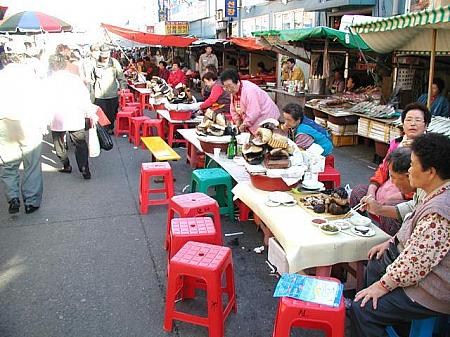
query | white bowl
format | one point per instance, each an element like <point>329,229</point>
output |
<point>281,197</point>
<point>342,224</point>
<point>359,220</point>
<point>338,229</point>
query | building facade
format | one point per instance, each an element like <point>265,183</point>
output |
<point>208,18</point>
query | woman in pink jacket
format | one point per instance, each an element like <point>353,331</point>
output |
<point>250,105</point>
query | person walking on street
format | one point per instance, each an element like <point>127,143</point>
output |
<point>22,123</point>
<point>69,108</point>
<point>109,79</point>
<point>206,59</point>
<point>87,69</point>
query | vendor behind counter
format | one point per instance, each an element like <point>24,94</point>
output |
<point>304,131</point>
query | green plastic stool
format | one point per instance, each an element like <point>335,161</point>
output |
<point>203,179</point>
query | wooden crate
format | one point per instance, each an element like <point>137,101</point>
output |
<point>344,140</point>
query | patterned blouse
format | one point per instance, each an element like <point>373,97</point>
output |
<point>428,245</point>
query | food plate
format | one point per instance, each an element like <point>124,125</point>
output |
<point>239,161</point>
<point>280,197</point>
<point>290,203</point>
<point>271,203</point>
<point>330,229</point>
<point>312,185</point>
<point>342,224</point>
<point>359,220</point>
<point>362,231</point>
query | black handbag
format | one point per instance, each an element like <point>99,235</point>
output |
<point>105,140</point>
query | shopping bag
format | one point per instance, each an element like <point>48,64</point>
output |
<point>105,140</point>
<point>94,145</point>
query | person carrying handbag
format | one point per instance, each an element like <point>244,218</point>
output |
<point>69,105</point>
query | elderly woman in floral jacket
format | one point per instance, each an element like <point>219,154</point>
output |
<point>408,277</point>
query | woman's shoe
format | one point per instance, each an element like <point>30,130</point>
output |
<point>85,173</point>
<point>66,169</point>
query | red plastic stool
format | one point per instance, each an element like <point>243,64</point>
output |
<point>208,263</point>
<point>149,124</point>
<point>193,205</point>
<point>124,98</point>
<point>123,91</point>
<point>200,229</point>
<point>123,122</point>
<point>135,105</point>
<point>330,176</point>
<point>133,109</point>
<point>149,170</point>
<point>292,312</point>
<point>136,124</point>
<point>244,210</point>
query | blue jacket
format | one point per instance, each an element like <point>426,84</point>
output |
<point>320,135</point>
<point>440,106</point>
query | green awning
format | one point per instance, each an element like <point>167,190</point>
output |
<point>409,32</point>
<point>306,35</point>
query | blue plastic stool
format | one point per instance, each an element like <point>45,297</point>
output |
<point>203,179</point>
<point>419,328</point>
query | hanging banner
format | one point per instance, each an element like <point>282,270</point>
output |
<point>231,8</point>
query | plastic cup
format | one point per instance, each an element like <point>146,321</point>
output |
<point>217,152</point>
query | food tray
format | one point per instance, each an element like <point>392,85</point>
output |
<point>326,216</point>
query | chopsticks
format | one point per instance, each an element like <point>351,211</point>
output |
<point>355,208</point>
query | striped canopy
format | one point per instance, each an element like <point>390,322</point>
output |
<point>408,33</point>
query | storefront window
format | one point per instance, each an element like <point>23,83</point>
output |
<point>256,24</point>
<point>293,19</point>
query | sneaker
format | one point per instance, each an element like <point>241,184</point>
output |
<point>14,205</point>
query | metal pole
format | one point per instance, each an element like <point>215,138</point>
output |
<point>432,59</point>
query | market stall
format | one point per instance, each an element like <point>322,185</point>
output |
<point>325,48</point>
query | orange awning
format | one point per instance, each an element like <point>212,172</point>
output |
<point>248,43</point>
<point>150,39</point>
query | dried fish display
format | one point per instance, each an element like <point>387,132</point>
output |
<point>440,124</point>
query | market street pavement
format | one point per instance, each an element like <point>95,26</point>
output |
<point>88,264</point>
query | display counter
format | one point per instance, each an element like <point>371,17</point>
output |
<point>282,97</point>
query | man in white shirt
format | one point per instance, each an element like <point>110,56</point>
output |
<point>22,123</point>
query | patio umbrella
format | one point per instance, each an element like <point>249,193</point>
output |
<point>33,22</point>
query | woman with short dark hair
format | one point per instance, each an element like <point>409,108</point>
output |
<point>217,96</point>
<point>408,276</point>
<point>439,103</point>
<point>415,119</point>
<point>304,131</point>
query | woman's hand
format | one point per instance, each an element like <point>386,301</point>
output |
<point>374,292</point>
<point>242,128</point>
<point>378,250</point>
<point>371,205</point>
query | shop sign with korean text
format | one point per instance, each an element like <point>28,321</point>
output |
<point>231,8</point>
